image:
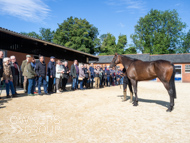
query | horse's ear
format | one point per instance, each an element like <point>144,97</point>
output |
<point>115,54</point>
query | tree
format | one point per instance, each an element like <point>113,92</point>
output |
<point>109,46</point>
<point>159,32</point>
<point>46,34</point>
<point>186,43</point>
<point>121,44</point>
<point>78,34</point>
<point>131,50</point>
<point>32,34</point>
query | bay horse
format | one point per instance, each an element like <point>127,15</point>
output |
<point>138,70</point>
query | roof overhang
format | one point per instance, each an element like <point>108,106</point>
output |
<point>14,41</point>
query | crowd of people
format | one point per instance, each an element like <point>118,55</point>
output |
<point>55,76</point>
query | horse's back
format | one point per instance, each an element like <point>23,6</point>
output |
<point>141,70</point>
<point>147,70</point>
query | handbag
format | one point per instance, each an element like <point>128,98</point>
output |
<point>80,78</point>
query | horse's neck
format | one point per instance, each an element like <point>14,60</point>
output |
<point>126,62</point>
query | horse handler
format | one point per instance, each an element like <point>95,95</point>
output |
<point>126,82</point>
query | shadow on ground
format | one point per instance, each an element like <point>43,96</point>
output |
<point>159,102</point>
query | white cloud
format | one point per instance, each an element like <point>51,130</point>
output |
<point>130,5</point>
<point>121,25</point>
<point>178,4</point>
<point>29,10</point>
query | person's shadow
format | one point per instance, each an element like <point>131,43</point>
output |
<point>159,102</point>
<point>2,101</point>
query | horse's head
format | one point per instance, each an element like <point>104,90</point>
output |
<point>115,60</point>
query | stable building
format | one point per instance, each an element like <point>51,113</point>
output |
<point>180,61</point>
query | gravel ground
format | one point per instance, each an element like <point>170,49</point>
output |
<point>97,116</point>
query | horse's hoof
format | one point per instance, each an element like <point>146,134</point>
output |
<point>169,109</point>
<point>135,104</point>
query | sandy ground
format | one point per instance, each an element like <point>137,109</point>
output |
<point>97,116</point>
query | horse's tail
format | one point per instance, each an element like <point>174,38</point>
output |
<point>172,82</point>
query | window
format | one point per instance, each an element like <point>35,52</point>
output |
<point>178,70</point>
<point>187,68</point>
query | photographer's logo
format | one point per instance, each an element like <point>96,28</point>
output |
<point>29,124</point>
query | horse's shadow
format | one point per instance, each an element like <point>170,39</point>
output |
<point>159,102</point>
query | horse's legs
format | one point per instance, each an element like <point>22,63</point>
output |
<point>134,83</point>
<point>131,91</point>
<point>170,92</point>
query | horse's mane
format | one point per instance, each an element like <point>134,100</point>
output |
<point>133,59</point>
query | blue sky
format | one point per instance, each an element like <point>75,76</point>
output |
<point>114,16</point>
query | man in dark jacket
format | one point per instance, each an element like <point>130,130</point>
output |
<point>41,73</point>
<point>65,76</point>
<point>51,74</point>
<point>75,74</point>
<point>15,72</point>
<point>92,75</point>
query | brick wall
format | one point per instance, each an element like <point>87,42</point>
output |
<point>185,76</point>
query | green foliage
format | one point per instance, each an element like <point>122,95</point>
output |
<point>78,34</point>
<point>159,32</point>
<point>121,44</point>
<point>131,50</point>
<point>46,34</point>
<point>185,48</point>
<point>32,34</point>
<point>109,46</point>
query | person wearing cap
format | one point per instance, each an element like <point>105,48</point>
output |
<point>41,73</point>
<point>31,74</point>
<point>24,72</point>
<point>51,74</point>
<point>15,71</point>
<point>8,77</point>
